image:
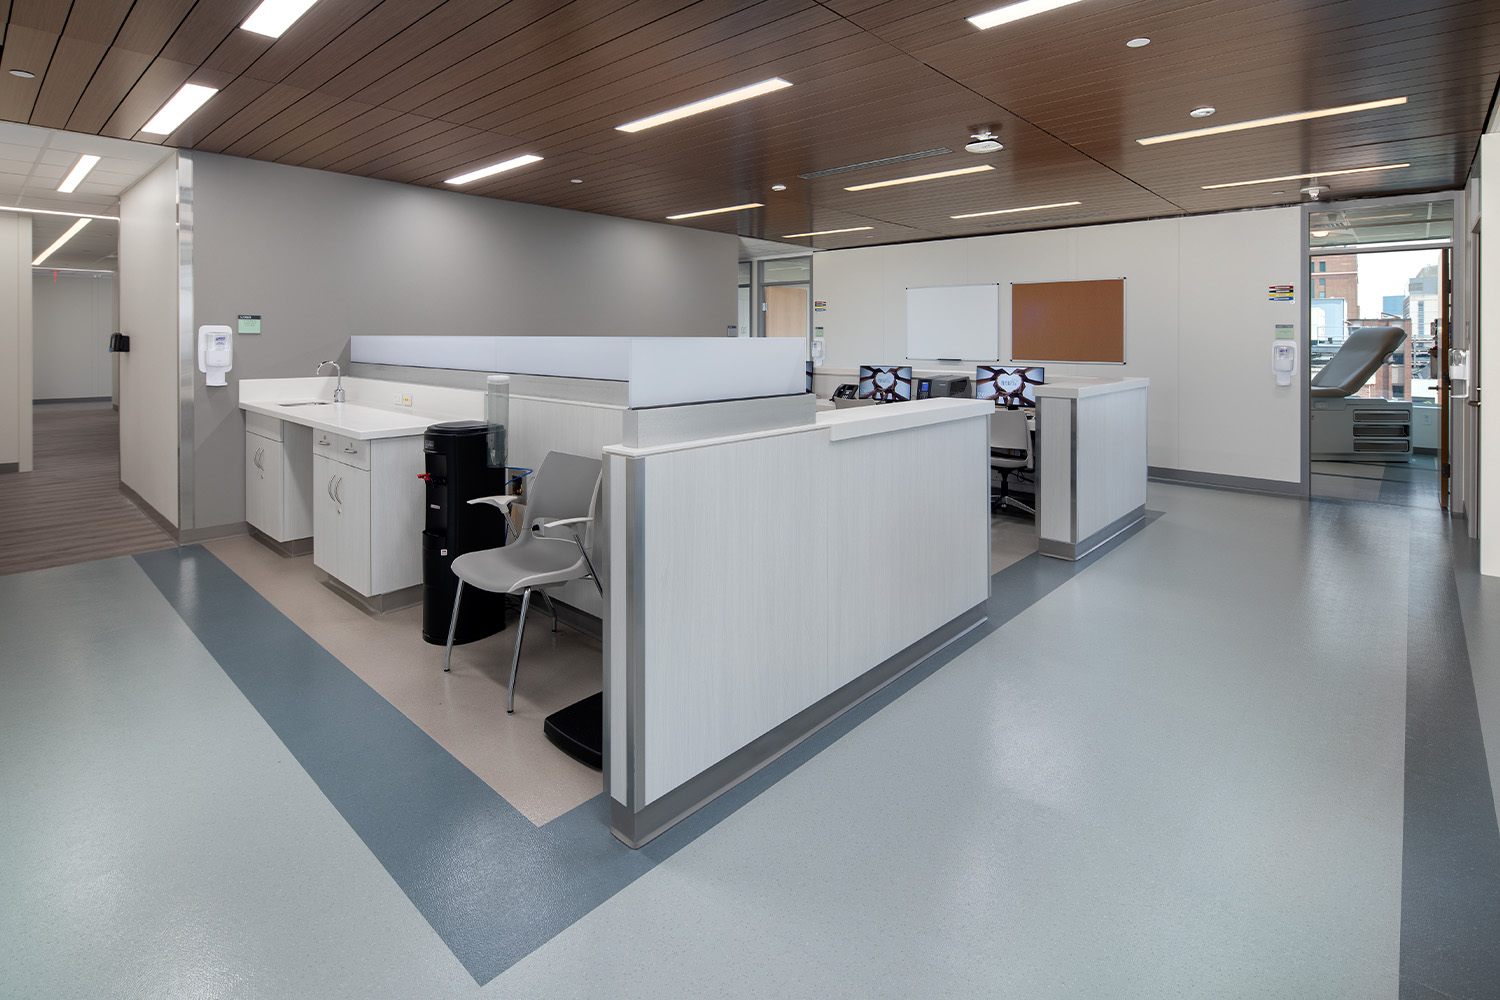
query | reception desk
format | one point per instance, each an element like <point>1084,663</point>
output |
<point>758,584</point>
<point>1092,448</point>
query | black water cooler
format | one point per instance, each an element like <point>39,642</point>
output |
<point>456,473</point>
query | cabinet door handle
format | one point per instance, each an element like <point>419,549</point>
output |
<point>338,490</point>
<point>329,488</point>
<point>350,451</point>
<point>324,443</point>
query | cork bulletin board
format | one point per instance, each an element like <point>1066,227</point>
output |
<point>1068,321</point>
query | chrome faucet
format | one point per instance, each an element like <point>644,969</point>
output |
<point>338,389</point>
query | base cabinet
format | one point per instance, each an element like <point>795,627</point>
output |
<point>278,478</point>
<point>367,512</point>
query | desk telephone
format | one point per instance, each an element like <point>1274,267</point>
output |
<point>849,390</point>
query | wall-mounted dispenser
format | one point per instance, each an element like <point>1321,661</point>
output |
<point>215,353</point>
<point>1283,361</point>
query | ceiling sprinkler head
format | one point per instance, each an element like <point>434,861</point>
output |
<point>1315,191</point>
<point>984,141</point>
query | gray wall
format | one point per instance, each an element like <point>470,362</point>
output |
<point>322,256</point>
<point>72,318</point>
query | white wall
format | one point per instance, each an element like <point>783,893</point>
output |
<point>322,256</point>
<point>72,318</point>
<point>1198,322</point>
<point>15,342</point>
<point>148,316</point>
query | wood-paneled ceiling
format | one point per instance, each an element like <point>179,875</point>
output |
<point>421,90</point>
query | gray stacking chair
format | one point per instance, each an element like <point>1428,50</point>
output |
<point>549,551</point>
<point>1010,451</point>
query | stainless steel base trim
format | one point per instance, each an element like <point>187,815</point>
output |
<point>9,467</point>
<point>635,829</point>
<point>379,604</point>
<point>1245,484</point>
<point>287,549</point>
<point>73,399</point>
<point>1074,551</point>
<point>156,516</point>
<point>231,530</point>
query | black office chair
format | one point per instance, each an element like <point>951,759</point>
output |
<point>1010,453</point>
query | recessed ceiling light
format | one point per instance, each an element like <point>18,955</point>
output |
<point>76,175</point>
<point>1300,116</point>
<point>1015,11</point>
<point>920,177</point>
<point>48,211</point>
<point>176,111</point>
<point>716,211</point>
<point>24,74</point>
<point>1007,211</point>
<point>1202,112</point>
<point>707,104</point>
<point>778,187</point>
<point>273,17</point>
<point>826,232</point>
<point>493,169</point>
<point>1136,43</point>
<point>1299,177</point>
<point>65,237</point>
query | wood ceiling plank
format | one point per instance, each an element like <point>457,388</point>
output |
<point>434,166</point>
<point>426,131</point>
<point>314,30</point>
<point>29,49</point>
<point>539,47</point>
<point>299,112</point>
<point>358,125</point>
<point>204,29</point>
<point>386,158</point>
<point>244,99</point>
<point>146,29</point>
<point>150,25</point>
<point>689,67</point>
<point>72,66</point>
<point>47,16</point>
<point>394,128</point>
<point>336,112</point>
<point>389,20</point>
<point>151,91</point>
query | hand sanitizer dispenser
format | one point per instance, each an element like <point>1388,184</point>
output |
<point>1283,361</point>
<point>215,353</point>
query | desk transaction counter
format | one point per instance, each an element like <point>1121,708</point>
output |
<point>761,583</point>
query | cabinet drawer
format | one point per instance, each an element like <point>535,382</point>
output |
<point>259,423</point>
<point>350,451</point>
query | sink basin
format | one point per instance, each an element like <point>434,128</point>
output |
<point>318,402</point>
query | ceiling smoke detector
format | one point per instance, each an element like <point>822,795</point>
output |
<point>1315,191</point>
<point>985,141</point>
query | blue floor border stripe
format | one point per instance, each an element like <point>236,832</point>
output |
<point>492,885</point>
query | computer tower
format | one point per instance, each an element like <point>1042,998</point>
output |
<point>936,386</point>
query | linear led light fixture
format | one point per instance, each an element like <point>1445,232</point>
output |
<point>1007,211</point>
<point>273,17</point>
<point>176,111</point>
<point>707,104</point>
<point>65,237</point>
<point>826,232</point>
<point>493,169</point>
<point>78,173</point>
<point>716,211</point>
<point>919,177</point>
<point>1303,177</point>
<point>1300,116</point>
<point>1015,11</point>
<point>48,211</point>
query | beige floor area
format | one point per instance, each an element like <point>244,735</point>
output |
<point>464,712</point>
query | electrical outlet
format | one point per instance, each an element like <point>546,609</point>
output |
<point>396,398</point>
<point>406,399</point>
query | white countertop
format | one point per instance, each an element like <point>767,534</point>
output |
<point>1078,386</point>
<point>363,423</point>
<point>859,421</point>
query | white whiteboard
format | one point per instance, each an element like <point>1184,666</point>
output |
<point>953,321</point>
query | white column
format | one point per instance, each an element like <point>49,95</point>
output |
<point>1489,357</point>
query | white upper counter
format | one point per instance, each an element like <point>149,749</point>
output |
<point>859,421</point>
<point>1079,386</point>
<point>365,416</point>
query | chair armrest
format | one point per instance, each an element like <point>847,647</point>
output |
<point>558,524</point>
<point>502,502</point>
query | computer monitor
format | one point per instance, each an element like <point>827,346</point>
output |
<point>809,376</point>
<point>885,384</point>
<point>1008,387</point>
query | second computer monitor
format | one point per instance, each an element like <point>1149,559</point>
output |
<point>1010,387</point>
<point>885,384</point>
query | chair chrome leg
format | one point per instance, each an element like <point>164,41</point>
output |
<point>515,660</point>
<point>550,607</point>
<point>599,586</point>
<point>452,628</point>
